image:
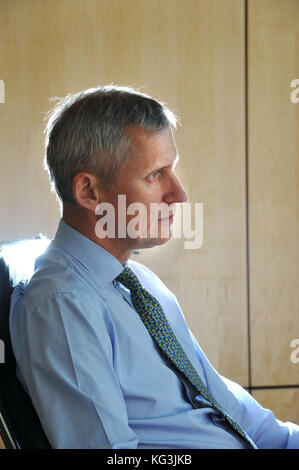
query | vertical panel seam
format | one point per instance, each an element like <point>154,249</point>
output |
<point>246,84</point>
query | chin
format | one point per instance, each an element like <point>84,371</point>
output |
<point>152,242</point>
<point>148,241</point>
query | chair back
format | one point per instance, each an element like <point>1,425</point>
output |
<point>20,427</point>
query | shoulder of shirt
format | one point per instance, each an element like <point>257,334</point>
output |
<point>54,277</point>
<point>142,271</point>
<point>148,278</point>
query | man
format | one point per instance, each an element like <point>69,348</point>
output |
<point>101,344</point>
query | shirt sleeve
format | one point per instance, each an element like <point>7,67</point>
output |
<point>261,425</point>
<point>66,365</point>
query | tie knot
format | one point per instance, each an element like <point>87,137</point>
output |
<point>129,279</point>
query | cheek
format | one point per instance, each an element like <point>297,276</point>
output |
<point>133,204</point>
<point>141,199</point>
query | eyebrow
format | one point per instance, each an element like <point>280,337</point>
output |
<point>165,166</point>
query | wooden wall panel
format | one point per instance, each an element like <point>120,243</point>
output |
<point>282,402</point>
<point>273,190</point>
<point>188,53</point>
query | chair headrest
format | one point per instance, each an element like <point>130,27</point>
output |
<point>16,264</point>
<point>18,258</point>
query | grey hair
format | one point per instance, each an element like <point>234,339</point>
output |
<point>85,132</point>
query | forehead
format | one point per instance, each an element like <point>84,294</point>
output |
<point>151,150</point>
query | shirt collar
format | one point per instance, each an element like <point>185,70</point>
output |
<point>102,264</point>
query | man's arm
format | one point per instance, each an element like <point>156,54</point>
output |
<point>65,355</point>
<point>260,424</point>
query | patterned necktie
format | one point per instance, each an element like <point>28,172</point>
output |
<point>152,315</point>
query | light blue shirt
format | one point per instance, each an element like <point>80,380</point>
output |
<point>96,377</point>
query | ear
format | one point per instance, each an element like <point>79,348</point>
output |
<point>86,190</point>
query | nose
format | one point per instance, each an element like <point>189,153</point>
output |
<point>176,193</point>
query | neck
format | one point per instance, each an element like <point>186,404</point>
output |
<point>84,222</point>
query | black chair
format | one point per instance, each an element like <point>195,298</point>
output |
<point>20,427</point>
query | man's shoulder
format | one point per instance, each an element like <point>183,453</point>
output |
<point>55,274</point>
<point>143,273</point>
<point>149,279</point>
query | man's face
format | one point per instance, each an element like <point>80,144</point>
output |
<point>147,178</point>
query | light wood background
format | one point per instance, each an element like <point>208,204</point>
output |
<point>274,190</point>
<point>239,292</point>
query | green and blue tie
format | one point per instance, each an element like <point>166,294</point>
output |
<point>152,315</point>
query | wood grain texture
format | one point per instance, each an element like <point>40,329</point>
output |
<point>273,189</point>
<point>282,402</point>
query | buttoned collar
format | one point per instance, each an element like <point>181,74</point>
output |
<point>102,264</point>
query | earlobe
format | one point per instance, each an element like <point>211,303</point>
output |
<point>86,190</point>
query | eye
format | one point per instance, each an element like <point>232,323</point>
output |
<point>154,176</point>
